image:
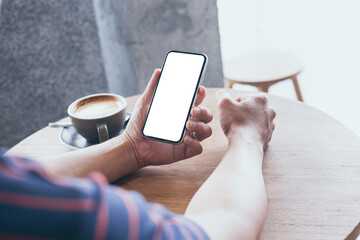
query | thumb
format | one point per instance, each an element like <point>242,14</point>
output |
<point>150,88</point>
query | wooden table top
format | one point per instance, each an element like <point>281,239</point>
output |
<point>311,170</point>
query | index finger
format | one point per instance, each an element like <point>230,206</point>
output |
<point>200,96</point>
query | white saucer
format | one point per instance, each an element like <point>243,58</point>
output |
<point>70,137</point>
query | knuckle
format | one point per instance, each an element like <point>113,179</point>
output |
<point>203,131</point>
<point>202,127</point>
<point>208,114</point>
<point>202,108</point>
<point>206,130</point>
<point>261,99</point>
<point>210,117</point>
<point>225,102</point>
<point>200,149</point>
<point>193,125</point>
<point>272,112</point>
<point>209,131</point>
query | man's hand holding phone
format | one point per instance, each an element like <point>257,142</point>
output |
<point>152,152</point>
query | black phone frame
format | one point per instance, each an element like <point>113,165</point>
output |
<point>200,79</point>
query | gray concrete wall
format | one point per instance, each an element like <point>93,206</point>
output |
<point>49,56</point>
<point>135,36</point>
<point>55,51</point>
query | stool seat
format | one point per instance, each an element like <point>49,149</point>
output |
<point>263,69</point>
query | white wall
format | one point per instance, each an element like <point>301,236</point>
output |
<point>325,34</point>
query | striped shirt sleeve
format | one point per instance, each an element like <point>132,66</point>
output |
<point>36,204</point>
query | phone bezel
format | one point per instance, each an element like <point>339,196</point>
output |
<point>199,81</point>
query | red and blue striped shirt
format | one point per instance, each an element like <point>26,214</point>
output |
<point>37,205</point>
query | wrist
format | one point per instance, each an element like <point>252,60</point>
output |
<point>130,146</point>
<point>128,153</point>
<point>248,137</point>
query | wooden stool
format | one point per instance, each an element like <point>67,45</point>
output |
<point>263,69</point>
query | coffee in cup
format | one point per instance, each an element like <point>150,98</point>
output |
<point>98,117</point>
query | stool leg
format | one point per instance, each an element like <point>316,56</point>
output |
<point>228,83</point>
<point>263,88</point>
<point>297,88</point>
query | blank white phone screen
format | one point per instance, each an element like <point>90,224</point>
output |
<point>173,97</point>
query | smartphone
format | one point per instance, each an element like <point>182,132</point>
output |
<point>174,96</point>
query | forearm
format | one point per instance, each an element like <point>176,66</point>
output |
<point>232,202</point>
<point>113,158</point>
